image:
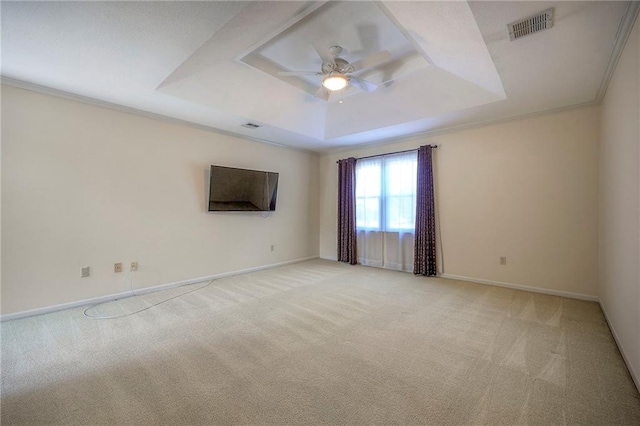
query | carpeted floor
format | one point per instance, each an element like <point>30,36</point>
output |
<point>321,343</point>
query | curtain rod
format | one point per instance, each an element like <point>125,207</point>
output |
<point>391,153</point>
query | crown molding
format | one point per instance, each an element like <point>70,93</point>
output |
<point>460,128</point>
<point>21,84</point>
<point>624,31</point>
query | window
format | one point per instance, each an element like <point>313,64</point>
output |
<point>386,192</point>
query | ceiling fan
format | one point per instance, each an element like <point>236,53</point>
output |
<point>336,70</point>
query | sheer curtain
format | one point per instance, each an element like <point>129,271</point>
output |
<point>385,210</point>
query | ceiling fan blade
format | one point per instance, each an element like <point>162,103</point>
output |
<point>324,53</point>
<point>299,73</point>
<point>364,85</point>
<point>369,36</point>
<point>323,93</point>
<point>371,60</point>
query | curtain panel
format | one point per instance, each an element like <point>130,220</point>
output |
<point>424,262</point>
<point>347,251</point>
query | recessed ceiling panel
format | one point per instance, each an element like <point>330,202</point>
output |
<point>250,84</point>
<point>434,92</point>
<point>359,28</point>
<point>447,33</point>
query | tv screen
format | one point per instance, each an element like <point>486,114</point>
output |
<point>232,189</point>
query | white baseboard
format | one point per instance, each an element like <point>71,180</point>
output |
<point>334,258</point>
<point>634,376</point>
<point>523,287</point>
<point>115,296</point>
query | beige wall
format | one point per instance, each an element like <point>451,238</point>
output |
<point>619,281</point>
<point>524,189</point>
<point>88,186</point>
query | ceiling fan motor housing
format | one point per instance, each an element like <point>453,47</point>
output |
<point>340,65</point>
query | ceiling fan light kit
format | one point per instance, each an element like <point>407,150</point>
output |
<point>335,81</point>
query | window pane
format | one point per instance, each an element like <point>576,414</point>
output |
<point>359,212</point>
<point>407,213</point>
<point>368,178</point>
<point>372,213</point>
<point>368,213</point>
<point>393,212</point>
<point>400,213</point>
<point>401,173</point>
<point>368,193</point>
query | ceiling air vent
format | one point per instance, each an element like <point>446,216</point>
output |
<point>530,25</point>
<point>250,126</point>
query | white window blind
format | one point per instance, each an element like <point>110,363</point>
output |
<point>386,192</point>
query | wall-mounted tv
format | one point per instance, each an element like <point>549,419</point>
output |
<point>233,190</point>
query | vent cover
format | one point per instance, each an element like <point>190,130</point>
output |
<point>533,24</point>
<point>250,126</point>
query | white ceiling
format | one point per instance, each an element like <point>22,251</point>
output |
<point>216,64</point>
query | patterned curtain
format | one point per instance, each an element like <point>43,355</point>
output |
<point>424,262</point>
<point>347,211</point>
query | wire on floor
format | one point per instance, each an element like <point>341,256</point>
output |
<point>134,294</point>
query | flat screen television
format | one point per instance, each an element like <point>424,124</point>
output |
<point>233,190</point>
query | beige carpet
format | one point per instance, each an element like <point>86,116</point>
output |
<point>321,343</point>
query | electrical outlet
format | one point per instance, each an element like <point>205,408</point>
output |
<point>86,271</point>
<point>134,266</point>
<point>503,260</point>
<point>117,267</point>
<point>273,248</point>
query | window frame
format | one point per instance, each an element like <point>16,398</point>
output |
<point>383,198</point>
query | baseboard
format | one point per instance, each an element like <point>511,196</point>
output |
<point>523,287</point>
<point>634,376</point>
<point>115,296</point>
<point>632,373</point>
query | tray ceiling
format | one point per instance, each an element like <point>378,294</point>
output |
<point>216,64</point>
